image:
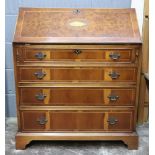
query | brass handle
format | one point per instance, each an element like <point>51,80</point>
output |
<point>42,120</point>
<point>40,55</point>
<point>112,121</point>
<point>113,97</point>
<point>114,75</point>
<point>40,96</point>
<point>77,51</point>
<point>114,56</point>
<point>40,75</point>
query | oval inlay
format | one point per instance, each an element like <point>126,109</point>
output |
<point>77,23</point>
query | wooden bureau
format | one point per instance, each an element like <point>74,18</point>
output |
<point>77,75</point>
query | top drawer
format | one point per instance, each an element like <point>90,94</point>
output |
<point>98,55</point>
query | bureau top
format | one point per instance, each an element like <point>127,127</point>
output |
<point>77,26</point>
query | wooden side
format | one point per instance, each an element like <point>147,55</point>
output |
<point>143,108</point>
<point>146,8</point>
<point>16,57</point>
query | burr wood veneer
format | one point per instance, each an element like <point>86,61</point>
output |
<point>77,75</point>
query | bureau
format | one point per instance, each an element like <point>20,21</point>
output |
<point>77,75</point>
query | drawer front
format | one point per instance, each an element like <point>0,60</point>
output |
<point>103,55</point>
<point>78,74</point>
<point>33,120</point>
<point>77,121</point>
<point>89,121</point>
<point>77,97</point>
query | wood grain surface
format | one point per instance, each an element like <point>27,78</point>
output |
<point>44,25</point>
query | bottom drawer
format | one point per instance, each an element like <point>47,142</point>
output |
<point>77,120</point>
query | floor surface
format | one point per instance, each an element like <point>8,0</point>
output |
<point>75,148</point>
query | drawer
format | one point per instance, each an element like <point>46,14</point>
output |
<point>103,55</point>
<point>77,96</point>
<point>77,74</point>
<point>77,120</point>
